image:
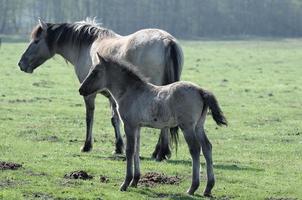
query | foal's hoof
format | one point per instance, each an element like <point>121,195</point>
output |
<point>190,192</point>
<point>86,148</point>
<point>123,188</point>
<point>134,183</point>
<point>208,194</point>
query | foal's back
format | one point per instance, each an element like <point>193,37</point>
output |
<point>169,105</point>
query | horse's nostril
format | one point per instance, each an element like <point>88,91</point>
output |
<point>21,64</point>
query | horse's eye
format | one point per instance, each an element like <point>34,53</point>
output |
<point>36,41</point>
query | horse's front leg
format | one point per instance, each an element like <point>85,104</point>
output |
<point>162,149</point>
<point>115,121</point>
<point>89,104</point>
<point>130,132</point>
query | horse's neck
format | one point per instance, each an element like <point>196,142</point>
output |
<point>79,57</point>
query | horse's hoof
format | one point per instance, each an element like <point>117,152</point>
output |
<point>118,152</point>
<point>161,154</point>
<point>86,148</point>
<point>119,147</point>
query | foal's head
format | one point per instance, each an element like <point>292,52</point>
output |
<point>96,79</point>
<point>38,50</point>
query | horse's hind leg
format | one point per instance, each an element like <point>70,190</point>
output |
<point>162,149</point>
<point>207,152</point>
<point>131,134</point>
<point>89,104</point>
<point>115,121</point>
<point>194,147</point>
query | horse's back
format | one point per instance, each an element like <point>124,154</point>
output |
<point>148,49</point>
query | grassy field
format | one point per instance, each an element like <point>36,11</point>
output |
<point>259,156</point>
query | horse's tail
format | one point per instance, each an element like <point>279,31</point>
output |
<point>173,68</point>
<point>211,101</point>
<point>173,62</point>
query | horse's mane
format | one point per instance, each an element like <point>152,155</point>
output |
<point>75,34</point>
<point>128,68</point>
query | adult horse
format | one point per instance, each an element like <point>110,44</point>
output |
<point>155,52</point>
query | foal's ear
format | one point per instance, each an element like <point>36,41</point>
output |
<point>42,24</point>
<point>101,58</point>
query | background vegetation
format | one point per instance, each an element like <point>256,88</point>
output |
<point>182,18</point>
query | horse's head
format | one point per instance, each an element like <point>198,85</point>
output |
<point>37,51</point>
<point>96,79</point>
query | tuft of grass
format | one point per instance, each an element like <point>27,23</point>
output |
<point>257,83</point>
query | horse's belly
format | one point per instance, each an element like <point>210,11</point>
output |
<point>159,120</point>
<point>159,124</point>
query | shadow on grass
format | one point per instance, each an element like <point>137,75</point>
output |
<point>159,195</point>
<point>233,167</point>
<point>237,168</point>
<point>219,166</point>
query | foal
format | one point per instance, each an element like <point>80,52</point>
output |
<point>142,104</point>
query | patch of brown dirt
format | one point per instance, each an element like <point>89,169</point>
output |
<point>151,179</point>
<point>9,165</point>
<point>78,175</point>
<point>104,179</point>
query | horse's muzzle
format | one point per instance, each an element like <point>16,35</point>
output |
<point>25,67</point>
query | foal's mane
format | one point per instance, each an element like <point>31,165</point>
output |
<point>129,69</point>
<point>75,34</point>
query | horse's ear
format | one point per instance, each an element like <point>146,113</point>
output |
<point>42,24</point>
<point>101,59</point>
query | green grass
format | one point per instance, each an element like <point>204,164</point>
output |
<point>259,87</point>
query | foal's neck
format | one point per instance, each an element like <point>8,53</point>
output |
<point>121,84</point>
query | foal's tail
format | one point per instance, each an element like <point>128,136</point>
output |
<point>174,62</point>
<point>211,101</point>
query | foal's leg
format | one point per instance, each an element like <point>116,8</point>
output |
<point>115,121</point>
<point>162,149</point>
<point>194,147</point>
<point>137,173</point>
<point>207,152</point>
<point>89,103</point>
<point>130,145</point>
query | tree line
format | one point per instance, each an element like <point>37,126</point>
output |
<point>182,18</point>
